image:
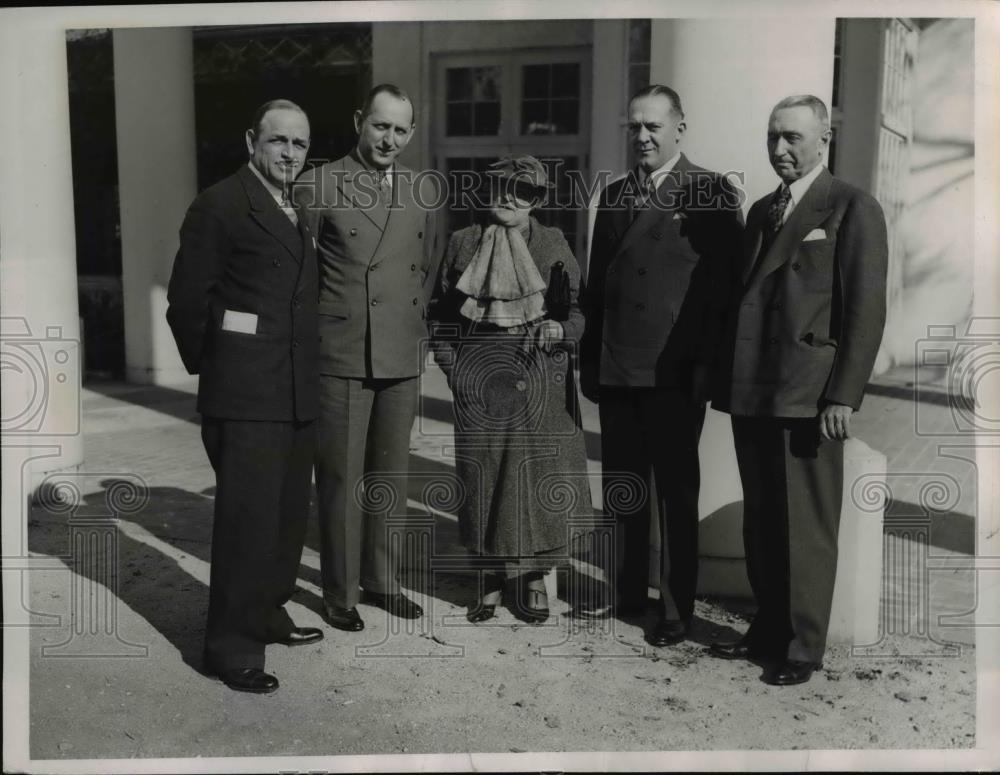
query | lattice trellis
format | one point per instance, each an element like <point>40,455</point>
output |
<point>231,56</point>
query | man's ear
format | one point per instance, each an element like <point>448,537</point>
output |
<point>358,120</point>
<point>250,139</point>
<point>681,127</point>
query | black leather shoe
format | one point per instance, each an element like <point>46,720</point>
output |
<point>667,632</point>
<point>347,619</point>
<point>740,649</point>
<point>398,605</point>
<point>302,636</point>
<point>249,679</point>
<point>791,672</point>
<point>481,612</point>
<point>531,602</point>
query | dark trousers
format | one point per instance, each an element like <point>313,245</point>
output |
<point>361,469</point>
<point>263,475</point>
<point>792,491</point>
<point>651,434</point>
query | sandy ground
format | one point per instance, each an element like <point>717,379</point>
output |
<point>115,666</point>
<point>443,686</point>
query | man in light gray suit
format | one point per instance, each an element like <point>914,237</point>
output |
<point>375,241</point>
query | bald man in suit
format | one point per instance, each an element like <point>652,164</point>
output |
<point>242,309</point>
<point>666,238</point>
<point>803,333</point>
<point>375,232</point>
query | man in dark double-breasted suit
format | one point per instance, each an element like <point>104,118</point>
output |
<point>665,239</point>
<point>803,333</point>
<point>242,308</point>
<point>375,230</point>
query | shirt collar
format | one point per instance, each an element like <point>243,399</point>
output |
<point>272,189</point>
<point>799,187</point>
<point>660,172</point>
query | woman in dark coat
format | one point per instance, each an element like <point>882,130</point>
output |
<point>507,322</point>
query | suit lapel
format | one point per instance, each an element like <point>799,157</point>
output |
<point>401,200</point>
<point>807,215</point>
<point>619,207</point>
<point>357,184</point>
<point>753,239</point>
<point>269,215</point>
<point>666,200</point>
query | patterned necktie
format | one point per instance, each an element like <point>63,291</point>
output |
<point>776,210</point>
<point>384,189</point>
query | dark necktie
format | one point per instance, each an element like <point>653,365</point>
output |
<point>776,210</point>
<point>644,192</point>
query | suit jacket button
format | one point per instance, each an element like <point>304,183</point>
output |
<point>373,267</point>
<point>420,235</point>
<point>521,385</point>
<point>642,270</point>
<point>354,232</point>
<point>374,302</point>
<point>276,262</point>
<point>413,267</point>
<point>796,266</point>
<point>773,340</point>
<point>415,302</point>
<point>295,343</point>
<point>640,306</point>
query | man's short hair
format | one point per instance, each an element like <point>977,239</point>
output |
<point>386,88</point>
<point>658,89</point>
<point>815,104</point>
<point>263,110</point>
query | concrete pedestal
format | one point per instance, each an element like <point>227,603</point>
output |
<point>722,563</point>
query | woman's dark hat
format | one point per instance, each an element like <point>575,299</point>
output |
<point>525,170</point>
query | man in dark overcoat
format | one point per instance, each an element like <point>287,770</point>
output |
<point>802,337</point>
<point>665,239</point>
<point>242,308</point>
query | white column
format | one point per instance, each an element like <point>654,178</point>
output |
<point>157,178</point>
<point>40,332</point>
<point>729,73</point>
<point>607,110</point>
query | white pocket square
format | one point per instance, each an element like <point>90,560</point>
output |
<point>815,234</point>
<point>240,322</point>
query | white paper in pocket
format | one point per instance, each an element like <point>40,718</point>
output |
<point>815,234</point>
<point>240,322</point>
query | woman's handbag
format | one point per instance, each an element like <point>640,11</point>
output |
<point>557,296</point>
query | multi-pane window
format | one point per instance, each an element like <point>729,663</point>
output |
<point>473,98</point>
<point>498,103</point>
<point>550,101</point>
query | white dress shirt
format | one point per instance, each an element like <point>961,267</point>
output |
<point>798,190</point>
